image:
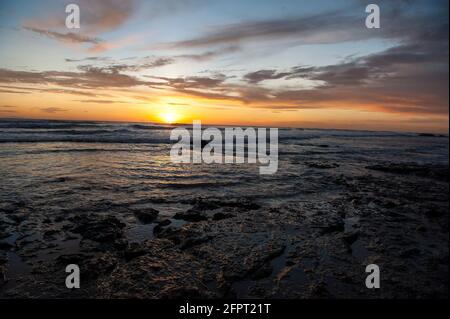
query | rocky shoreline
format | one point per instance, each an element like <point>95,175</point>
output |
<point>393,215</point>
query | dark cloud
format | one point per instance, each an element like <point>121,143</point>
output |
<point>209,55</point>
<point>192,82</point>
<point>139,65</point>
<point>100,101</point>
<point>302,27</point>
<point>399,21</point>
<point>91,58</point>
<point>68,37</point>
<point>262,75</point>
<point>91,78</point>
<point>52,110</point>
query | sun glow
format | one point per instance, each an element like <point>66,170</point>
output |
<point>169,117</point>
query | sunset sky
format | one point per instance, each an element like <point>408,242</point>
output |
<point>272,63</point>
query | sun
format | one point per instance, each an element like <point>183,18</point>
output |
<point>169,117</point>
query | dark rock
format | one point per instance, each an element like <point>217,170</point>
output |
<point>164,272</point>
<point>3,257</point>
<point>147,216</point>
<point>193,241</point>
<point>98,228</point>
<point>3,279</point>
<point>5,246</point>
<point>321,165</point>
<point>205,205</point>
<point>191,216</point>
<point>134,250</point>
<point>319,290</point>
<point>262,272</point>
<point>72,259</point>
<point>49,234</point>
<point>332,228</point>
<point>421,228</point>
<point>158,228</point>
<point>166,232</point>
<point>350,238</point>
<point>4,234</point>
<point>412,252</point>
<point>99,265</point>
<point>182,293</point>
<point>220,216</point>
<point>434,212</point>
<point>165,222</point>
<point>18,218</point>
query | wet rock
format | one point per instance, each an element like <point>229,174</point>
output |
<point>185,237</point>
<point>72,259</point>
<point>200,211</point>
<point>262,272</point>
<point>434,212</point>
<point>134,250</point>
<point>5,245</point>
<point>203,205</point>
<point>164,222</point>
<point>99,265</point>
<point>221,215</point>
<point>321,165</point>
<point>3,279</point>
<point>206,205</point>
<point>98,228</point>
<point>159,227</point>
<point>191,216</point>
<point>147,216</point>
<point>18,218</point>
<point>164,272</point>
<point>166,232</point>
<point>3,257</point>
<point>4,234</point>
<point>319,290</point>
<point>50,234</point>
<point>351,237</point>
<point>421,228</point>
<point>408,253</point>
<point>182,293</point>
<point>333,228</point>
<point>193,241</point>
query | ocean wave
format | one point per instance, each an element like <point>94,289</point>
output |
<point>84,139</point>
<point>150,127</point>
<point>21,124</point>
